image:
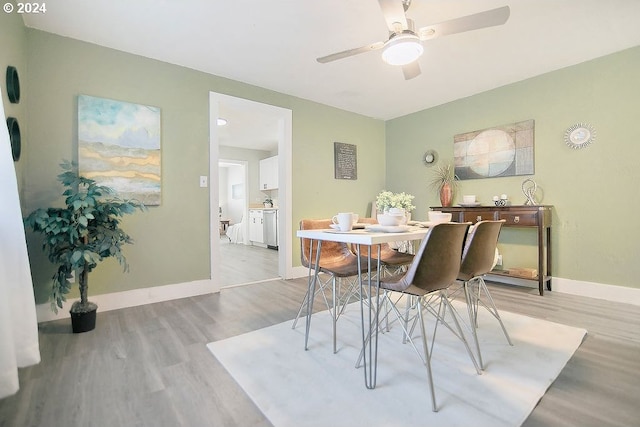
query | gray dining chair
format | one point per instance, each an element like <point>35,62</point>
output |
<point>434,268</point>
<point>477,261</point>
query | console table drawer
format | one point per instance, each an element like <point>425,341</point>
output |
<point>478,215</point>
<point>524,219</point>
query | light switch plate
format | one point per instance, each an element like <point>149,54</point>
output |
<point>203,181</point>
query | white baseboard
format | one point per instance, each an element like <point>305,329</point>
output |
<point>602,291</point>
<point>132,298</point>
<point>155,294</point>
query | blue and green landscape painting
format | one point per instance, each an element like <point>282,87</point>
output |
<point>119,146</point>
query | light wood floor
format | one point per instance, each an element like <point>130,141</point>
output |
<point>148,365</point>
<point>246,264</point>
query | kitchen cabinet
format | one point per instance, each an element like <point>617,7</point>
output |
<point>269,173</point>
<point>256,227</point>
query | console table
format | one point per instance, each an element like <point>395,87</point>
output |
<point>538,217</point>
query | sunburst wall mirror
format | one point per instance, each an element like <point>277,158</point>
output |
<point>579,135</point>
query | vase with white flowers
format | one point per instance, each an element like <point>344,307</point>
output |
<point>387,200</point>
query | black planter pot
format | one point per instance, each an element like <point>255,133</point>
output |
<point>83,322</point>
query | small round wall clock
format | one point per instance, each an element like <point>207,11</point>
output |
<point>579,135</point>
<point>430,158</point>
<point>13,85</point>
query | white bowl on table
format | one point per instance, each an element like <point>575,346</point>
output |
<point>438,217</point>
<point>390,219</point>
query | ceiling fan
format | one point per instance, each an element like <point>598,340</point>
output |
<point>404,45</point>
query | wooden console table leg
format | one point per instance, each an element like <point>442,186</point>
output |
<point>548,258</point>
<point>541,264</point>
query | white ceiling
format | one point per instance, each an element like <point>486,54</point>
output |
<point>273,44</point>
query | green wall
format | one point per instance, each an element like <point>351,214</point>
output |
<point>590,242</point>
<point>171,240</point>
<point>593,190</point>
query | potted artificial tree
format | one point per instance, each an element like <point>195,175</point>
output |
<point>80,235</point>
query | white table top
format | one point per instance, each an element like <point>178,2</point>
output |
<point>363,237</point>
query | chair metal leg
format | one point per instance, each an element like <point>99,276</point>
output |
<point>472,311</point>
<point>319,291</point>
<point>312,291</point>
<point>427,357</point>
<point>491,306</point>
<point>440,314</point>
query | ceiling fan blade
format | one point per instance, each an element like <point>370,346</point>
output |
<point>393,12</point>
<point>350,52</point>
<point>489,18</point>
<point>411,70</point>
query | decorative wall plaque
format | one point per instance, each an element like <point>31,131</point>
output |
<point>345,158</point>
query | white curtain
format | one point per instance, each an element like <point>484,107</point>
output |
<point>18,322</point>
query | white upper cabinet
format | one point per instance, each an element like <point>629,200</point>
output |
<point>269,173</point>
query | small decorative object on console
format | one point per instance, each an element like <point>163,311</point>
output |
<point>529,188</point>
<point>503,200</point>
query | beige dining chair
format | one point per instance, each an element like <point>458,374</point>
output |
<point>392,261</point>
<point>434,268</point>
<point>341,266</point>
<point>478,260</point>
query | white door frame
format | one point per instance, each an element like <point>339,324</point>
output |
<point>285,236</point>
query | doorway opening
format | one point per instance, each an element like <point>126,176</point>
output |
<point>242,137</point>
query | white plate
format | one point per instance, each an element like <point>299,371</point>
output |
<point>354,227</point>
<point>387,228</point>
<point>470,204</point>
<point>427,224</point>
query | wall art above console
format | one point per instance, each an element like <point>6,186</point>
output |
<point>505,150</point>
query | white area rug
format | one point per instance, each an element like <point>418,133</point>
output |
<point>294,387</point>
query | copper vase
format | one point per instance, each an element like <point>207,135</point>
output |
<point>446,195</point>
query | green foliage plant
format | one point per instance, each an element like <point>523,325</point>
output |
<point>80,235</point>
<point>387,199</point>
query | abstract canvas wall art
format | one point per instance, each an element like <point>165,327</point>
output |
<point>119,146</point>
<point>499,151</point>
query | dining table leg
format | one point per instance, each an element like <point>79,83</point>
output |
<point>311,291</point>
<point>370,321</point>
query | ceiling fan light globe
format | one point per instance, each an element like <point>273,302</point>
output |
<point>402,50</point>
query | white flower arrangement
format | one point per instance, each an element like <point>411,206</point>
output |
<point>387,199</point>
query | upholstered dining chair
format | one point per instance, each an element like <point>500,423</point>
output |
<point>434,268</point>
<point>478,260</point>
<point>341,266</point>
<point>392,261</point>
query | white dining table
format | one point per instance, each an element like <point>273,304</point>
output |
<point>358,237</point>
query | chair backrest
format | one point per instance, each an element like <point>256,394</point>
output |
<point>480,249</point>
<point>332,252</point>
<point>364,249</point>
<point>437,261</point>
